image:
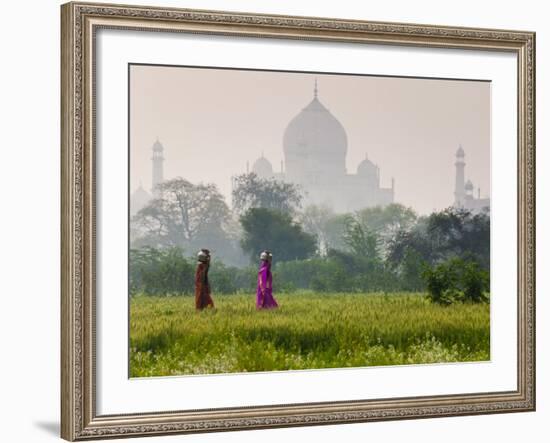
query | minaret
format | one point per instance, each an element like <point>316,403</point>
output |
<point>158,168</point>
<point>460,192</point>
<point>315,90</point>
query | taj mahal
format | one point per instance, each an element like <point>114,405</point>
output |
<point>315,145</point>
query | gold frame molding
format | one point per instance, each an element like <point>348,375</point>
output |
<point>79,22</point>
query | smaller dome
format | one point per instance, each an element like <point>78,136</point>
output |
<point>469,185</point>
<point>262,167</point>
<point>366,167</point>
<point>157,147</point>
<point>460,151</point>
<point>139,198</point>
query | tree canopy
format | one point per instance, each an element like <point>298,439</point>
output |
<point>183,215</point>
<point>272,229</point>
<point>452,232</point>
<point>251,191</point>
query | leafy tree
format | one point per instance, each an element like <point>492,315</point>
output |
<point>458,232</point>
<point>362,241</point>
<point>326,226</point>
<point>151,226</point>
<point>184,215</point>
<point>335,228</point>
<point>275,230</point>
<point>387,220</point>
<point>456,280</point>
<point>410,274</point>
<point>414,242</point>
<point>251,191</point>
<point>443,235</point>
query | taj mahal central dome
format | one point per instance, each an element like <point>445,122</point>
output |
<point>315,142</point>
<point>315,146</point>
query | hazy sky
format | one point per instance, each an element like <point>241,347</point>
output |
<point>212,121</point>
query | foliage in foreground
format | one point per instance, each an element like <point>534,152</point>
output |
<point>308,331</point>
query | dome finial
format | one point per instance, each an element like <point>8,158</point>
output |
<point>315,90</point>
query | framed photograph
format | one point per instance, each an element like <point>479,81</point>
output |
<point>277,221</point>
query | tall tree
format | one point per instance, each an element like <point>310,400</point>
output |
<point>316,220</point>
<point>272,229</point>
<point>363,242</point>
<point>335,232</point>
<point>443,235</point>
<point>459,232</point>
<point>183,213</point>
<point>151,226</point>
<point>386,221</point>
<point>251,191</point>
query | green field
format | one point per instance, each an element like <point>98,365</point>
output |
<point>308,331</point>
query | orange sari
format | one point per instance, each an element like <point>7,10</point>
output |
<point>203,298</point>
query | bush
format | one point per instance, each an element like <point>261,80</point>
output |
<point>230,280</point>
<point>338,272</point>
<point>160,271</point>
<point>320,274</point>
<point>475,282</point>
<point>411,271</point>
<point>169,272</point>
<point>456,280</point>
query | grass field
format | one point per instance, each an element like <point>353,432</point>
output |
<point>308,331</point>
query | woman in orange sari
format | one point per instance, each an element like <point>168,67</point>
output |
<point>203,296</point>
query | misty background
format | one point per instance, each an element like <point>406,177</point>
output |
<point>333,219</point>
<point>211,122</point>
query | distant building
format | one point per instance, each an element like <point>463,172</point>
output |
<point>315,147</point>
<point>158,166</point>
<point>464,191</point>
<point>140,197</point>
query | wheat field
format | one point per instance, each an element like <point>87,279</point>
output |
<point>308,331</point>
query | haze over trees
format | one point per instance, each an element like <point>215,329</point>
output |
<point>187,216</point>
<point>251,191</point>
<point>181,213</point>
<point>386,248</point>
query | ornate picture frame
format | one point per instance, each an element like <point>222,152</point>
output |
<point>80,23</point>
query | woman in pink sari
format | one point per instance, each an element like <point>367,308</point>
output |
<point>264,293</point>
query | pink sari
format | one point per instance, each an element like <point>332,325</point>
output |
<point>264,293</point>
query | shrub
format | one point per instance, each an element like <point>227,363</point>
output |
<point>230,280</point>
<point>160,271</point>
<point>456,280</point>
<point>168,272</point>
<point>475,282</point>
